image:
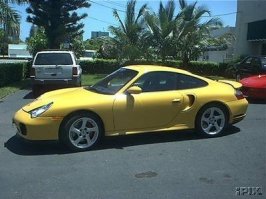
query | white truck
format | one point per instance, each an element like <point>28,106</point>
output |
<point>88,55</point>
<point>59,68</point>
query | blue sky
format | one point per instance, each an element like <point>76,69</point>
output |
<point>100,14</point>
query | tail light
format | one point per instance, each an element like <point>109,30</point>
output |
<point>32,72</point>
<point>239,95</point>
<point>74,71</point>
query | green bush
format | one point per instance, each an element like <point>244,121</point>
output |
<point>105,66</point>
<point>99,66</point>
<point>13,72</point>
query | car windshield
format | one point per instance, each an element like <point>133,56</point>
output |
<point>263,63</point>
<point>113,82</point>
<point>53,59</point>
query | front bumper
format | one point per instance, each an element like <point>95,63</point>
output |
<point>238,110</point>
<point>40,128</point>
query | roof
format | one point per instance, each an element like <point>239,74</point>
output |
<point>17,46</point>
<point>55,51</point>
<point>148,68</point>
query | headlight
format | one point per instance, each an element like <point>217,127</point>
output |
<point>38,111</point>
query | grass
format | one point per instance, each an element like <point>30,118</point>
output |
<point>11,88</point>
<point>87,79</point>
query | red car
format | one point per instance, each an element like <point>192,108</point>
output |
<point>254,87</point>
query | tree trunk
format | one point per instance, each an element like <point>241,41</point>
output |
<point>185,60</point>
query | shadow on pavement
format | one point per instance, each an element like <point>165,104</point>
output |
<point>29,96</point>
<point>19,146</point>
<point>256,101</point>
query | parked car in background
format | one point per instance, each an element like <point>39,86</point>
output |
<point>57,68</point>
<point>88,55</point>
<point>133,99</point>
<point>251,65</point>
<point>254,87</point>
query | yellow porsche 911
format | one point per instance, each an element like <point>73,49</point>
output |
<point>133,99</point>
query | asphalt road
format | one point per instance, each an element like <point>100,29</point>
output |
<point>172,165</point>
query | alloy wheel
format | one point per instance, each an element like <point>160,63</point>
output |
<point>212,121</point>
<point>83,132</point>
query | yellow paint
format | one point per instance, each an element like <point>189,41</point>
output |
<point>125,113</point>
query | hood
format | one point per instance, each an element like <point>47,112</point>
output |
<point>234,84</point>
<point>257,81</point>
<point>62,96</point>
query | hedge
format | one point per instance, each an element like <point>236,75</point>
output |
<point>101,66</point>
<point>13,72</point>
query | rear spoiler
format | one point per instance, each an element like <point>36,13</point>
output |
<point>234,84</point>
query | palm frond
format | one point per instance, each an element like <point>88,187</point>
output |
<point>116,15</point>
<point>141,13</point>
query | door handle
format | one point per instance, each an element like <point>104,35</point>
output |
<point>176,100</point>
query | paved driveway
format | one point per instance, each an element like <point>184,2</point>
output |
<point>174,165</point>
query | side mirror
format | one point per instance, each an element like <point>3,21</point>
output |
<point>134,90</point>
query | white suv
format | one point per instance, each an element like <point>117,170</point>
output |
<point>58,68</point>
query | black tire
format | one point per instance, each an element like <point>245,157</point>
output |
<point>238,77</point>
<point>36,90</point>
<point>78,84</point>
<point>212,120</point>
<point>75,133</point>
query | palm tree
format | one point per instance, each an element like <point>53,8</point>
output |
<point>128,35</point>
<point>161,28</point>
<point>9,18</point>
<point>191,34</point>
<point>9,23</point>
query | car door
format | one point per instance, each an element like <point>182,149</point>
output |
<point>155,107</point>
<point>256,65</point>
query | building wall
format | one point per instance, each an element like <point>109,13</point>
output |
<point>218,55</point>
<point>18,51</point>
<point>248,11</point>
<point>95,34</point>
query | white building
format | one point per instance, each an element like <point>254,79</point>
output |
<point>95,34</point>
<point>220,54</point>
<point>18,51</point>
<point>251,27</point>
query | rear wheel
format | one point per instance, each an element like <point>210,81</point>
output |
<point>81,132</point>
<point>212,120</point>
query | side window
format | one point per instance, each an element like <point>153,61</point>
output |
<point>256,63</point>
<point>248,61</point>
<point>263,63</point>
<point>157,81</point>
<point>188,82</point>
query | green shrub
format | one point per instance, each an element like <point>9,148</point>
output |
<point>105,66</point>
<point>99,66</point>
<point>13,72</point>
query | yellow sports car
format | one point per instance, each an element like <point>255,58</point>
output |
<point>133,99</point>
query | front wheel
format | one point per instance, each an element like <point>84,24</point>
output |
<point>81,132</point>
<point>212,120</point>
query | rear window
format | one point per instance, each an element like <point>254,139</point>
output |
<point>53,59</point>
